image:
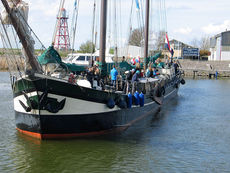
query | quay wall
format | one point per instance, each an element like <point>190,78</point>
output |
<point>205,68</point>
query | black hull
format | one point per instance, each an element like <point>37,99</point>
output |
<point>64,126</point>
<point>48,126</point>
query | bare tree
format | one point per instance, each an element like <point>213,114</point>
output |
<point>205,43</point>
<point>136,37</point>
<point>160,41</point>
<point>195,43</point>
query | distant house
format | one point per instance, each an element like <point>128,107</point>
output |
<point>220,47</point>
<point>179,48</point>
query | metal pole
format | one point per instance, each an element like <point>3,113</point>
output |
<point>103,31</point>
<point>146,33</point>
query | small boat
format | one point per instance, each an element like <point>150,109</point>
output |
<point>50,107</point>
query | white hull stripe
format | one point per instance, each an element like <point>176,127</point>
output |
<point>72,106</point>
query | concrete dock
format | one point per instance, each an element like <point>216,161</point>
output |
<point>205,68</point>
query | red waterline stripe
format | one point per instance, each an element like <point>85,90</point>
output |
<point>32,134</point>
<point>71,135</point>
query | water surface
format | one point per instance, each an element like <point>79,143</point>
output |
<point>190,134</point>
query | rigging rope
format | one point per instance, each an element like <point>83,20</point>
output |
<point>74,23</point>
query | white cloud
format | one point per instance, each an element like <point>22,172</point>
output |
<point>187,30</point>
<point>186,19</point>
<point>216,28</point>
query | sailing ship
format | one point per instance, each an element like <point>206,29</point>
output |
<point>48,107</point>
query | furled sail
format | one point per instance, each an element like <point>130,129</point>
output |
<point>16,13</point>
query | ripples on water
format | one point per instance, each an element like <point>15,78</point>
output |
<point>190,134</point>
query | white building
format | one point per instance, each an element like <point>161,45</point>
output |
<point>220,47</point>
<point>131,51</point>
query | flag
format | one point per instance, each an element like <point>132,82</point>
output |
<point>167,42</point>
<point>137,5</point>
<point>75,4</point>
<point>167,45</point>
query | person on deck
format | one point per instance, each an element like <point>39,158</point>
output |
<point>123,59</point>
<point>135,79</point>
<point>149,72</point>
<point>97,75</point>
<point>138,67</point>
<point>129,76</point>
<point>89,76</point>
<point>113,74</point>
<point>176,66</point>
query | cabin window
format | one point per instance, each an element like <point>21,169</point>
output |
<point>81,58</point>
<point>88,58</point>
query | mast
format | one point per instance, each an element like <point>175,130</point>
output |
<point>146,33</point>
<point>103,34</point>
<point>23,36</point>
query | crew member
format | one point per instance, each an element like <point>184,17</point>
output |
<point>129,76</point>
<point>135,79</point>
<point>113,74</point>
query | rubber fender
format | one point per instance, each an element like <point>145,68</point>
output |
<point>122,104</point>
<point>142,99</point>
<point>182,81</point>
<point>136,98</point>
<point>130,100</point>
<point>111,103</point>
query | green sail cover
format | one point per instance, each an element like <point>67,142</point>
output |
<point>52,56</point>
<point>155,57</point>
<point>152,59</point>
<point>123,66</point>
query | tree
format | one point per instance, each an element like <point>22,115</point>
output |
<point>87,47</point>
<point>195,43</point>
<point>160,40</point>
<point>205,43</point>
<point>136,37</point>
<point>205,53</point>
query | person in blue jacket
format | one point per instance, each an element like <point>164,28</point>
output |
<point>113,74</point>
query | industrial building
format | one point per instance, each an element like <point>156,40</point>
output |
<point>220,47</point>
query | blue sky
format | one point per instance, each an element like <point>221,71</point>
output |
<point>186,19</point>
